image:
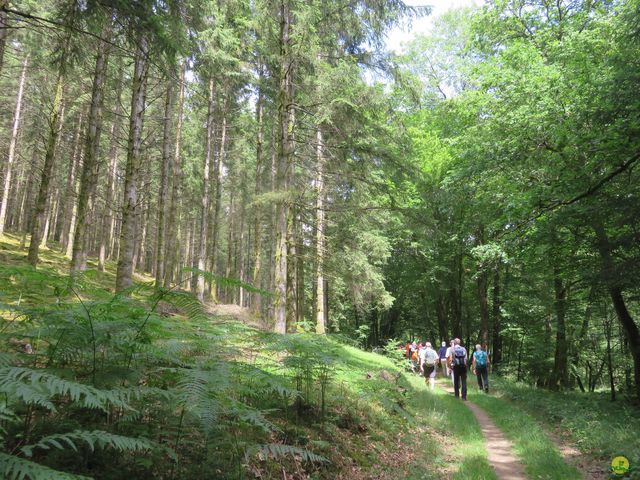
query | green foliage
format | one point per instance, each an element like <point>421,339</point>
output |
<point>94,439</point>
<point>278,451</point>
<point>16,468</point>
<point>602,429</point>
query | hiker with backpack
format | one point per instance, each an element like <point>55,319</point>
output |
<point>480,367</point>
<point>428,359</point>
<point>458,363</point>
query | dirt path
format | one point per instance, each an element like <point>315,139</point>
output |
<point>500,450</point>
<point>501,457</point>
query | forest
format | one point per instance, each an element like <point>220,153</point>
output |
<point>207,205</point>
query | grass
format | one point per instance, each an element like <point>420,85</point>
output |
<point>538,454</point>
<point>456,445</point>
<point>599,428</point>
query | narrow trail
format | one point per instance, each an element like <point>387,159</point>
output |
<point>500,450</point>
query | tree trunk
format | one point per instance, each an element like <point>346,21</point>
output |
<point>440,307</point>
<point>321,320</point>
<point>300,261</point>
<point>108,212</point>
<point>292,280</point>
<point>217,173</point>
<point>607,333</point>
<point>257,210</point>
<point>483,289</point>
<point>69,223</point>
<point>91,165</point>
<point>4,30</point>
<point>230,229</point>
<point>130,204</point>
<point>497,318</point>
<point>39,212</point>
<point>285,162</point>
<point>560,377</point>
<point>173,224</point>
<point>163,194</point>
<point>14,134</point>
<point>628,324</point>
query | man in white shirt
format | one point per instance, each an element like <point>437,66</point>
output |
<point>428,359</point>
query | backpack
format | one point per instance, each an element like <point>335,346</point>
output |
<point>459,356</point>
<point>481,359</point>
<point>431,357</point>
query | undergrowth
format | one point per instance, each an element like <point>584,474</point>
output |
<point>146,385</point>
<point>599,428</point>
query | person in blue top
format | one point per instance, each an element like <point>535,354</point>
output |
<point>480,367</point>
<point>442,355</point>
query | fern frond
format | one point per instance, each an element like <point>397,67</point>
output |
<point>228,282</point>
<point>16,468</point>
<point>278,450</point>
<point>6,359</point>
<point>94,439</point>
<point>34,386</point>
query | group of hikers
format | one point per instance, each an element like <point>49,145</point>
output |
<point>454,362</point>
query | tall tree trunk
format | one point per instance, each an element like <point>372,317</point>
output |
<point>614,287</point>
<point>55,120</point>
<point>285,162</point>
<point>163,194</point>
<point>4,30</point>
<point>482,284</point>
<point>130,204</point>
<point>257,210</point>
<point>320,317</point>
<point>240,255</point>
<point>14,135</point>
<point>173,222</point>
<point>483,288</point>
<point>206,188</point>
<point>108,212</point>
<point>300,261</point>
<point>497,318</point>
<point>217,174</point>
<point>456,298</point>
<point>91,165</point>
<point>292,280</point>
<point>268,309</point>
<point>560,377</point>
<point>440,307</point>
<point>231,227</point>
<point>70,196</point>
<point>607,332</point>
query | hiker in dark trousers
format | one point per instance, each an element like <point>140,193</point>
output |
<point>442,358</point>
<point>458,363</point>
<point>480,367</point>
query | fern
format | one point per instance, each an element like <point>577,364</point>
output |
<point>228,282</point>
<point>94,439</point>
<point>38,387</point>
<point>16,468</point>
<point>278,450</point>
